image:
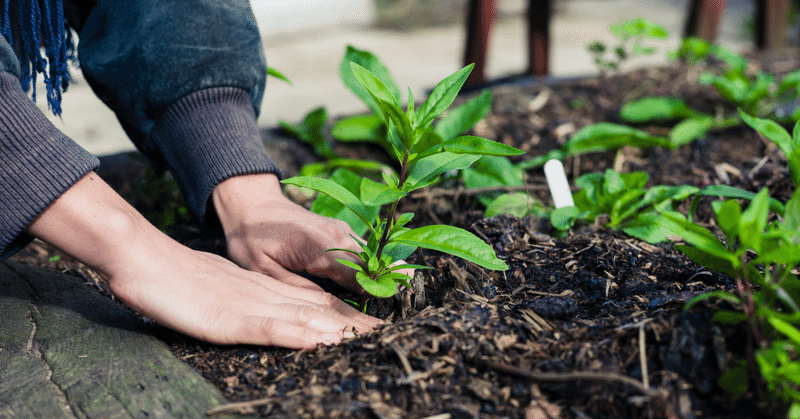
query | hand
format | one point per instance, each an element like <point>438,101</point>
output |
<point>268,233</point>
<point>199,294</point>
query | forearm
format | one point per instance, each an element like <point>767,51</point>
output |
<point>92,223</point>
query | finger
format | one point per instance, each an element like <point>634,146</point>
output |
<point>255,330</point>
<point>326,302</point>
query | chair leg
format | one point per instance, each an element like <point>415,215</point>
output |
<point>539,13</point>
<point>480,17</point>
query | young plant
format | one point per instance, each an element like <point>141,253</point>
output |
<point>422,155</point>
<point>624,200</point>
<point>759,95</point>
<point>762,257</point>
<point>631,34</point>
<point>599,137</point>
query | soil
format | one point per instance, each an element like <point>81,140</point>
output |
<point>587,326</point>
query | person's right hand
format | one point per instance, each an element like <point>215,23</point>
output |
<point>196,293</point>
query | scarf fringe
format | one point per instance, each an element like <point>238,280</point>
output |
<point>41,24</point>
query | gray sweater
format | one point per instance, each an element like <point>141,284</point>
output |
<point>185,79</point>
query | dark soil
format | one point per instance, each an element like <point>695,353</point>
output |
<point>575,326</point>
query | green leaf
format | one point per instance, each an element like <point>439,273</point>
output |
<point>729,317</point>
<point>517,204</point>
<point>492,171</point>
<point>278,75</point>
<point>392,113</point>
<point>375,87</point>
<point>563,218</point>
<point>454,241</point>
<point>728,217</point>
<point>330,207</point>
<point>649,227</point>
<point>786,328</point>
<point>429,168</point>
<point>656,109</point>
<point>375,193</point>
<point>791,219</point>
<point>381,287</point>
<point>350,264</point>
<point>771,130</point>
<point>722,295</point>
<point>310,131</point>
<point>360,128</point>
<point>690,129</point>
<point>735,380</point>
<point>462,118</point>
<point>370,62</point>
<point>794,167</point>
<point>609,136</point>
<point>754,220</point>
<point>712,258</point>
<point>441,97</point>
<point>473,145</point>
<point>335,191</point>
<point>725,191</point>
<point>697,236</point>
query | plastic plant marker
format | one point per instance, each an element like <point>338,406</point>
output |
<point>558,184</point>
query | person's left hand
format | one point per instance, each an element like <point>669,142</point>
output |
<point>268,233</point>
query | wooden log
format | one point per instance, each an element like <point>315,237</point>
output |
<point>67,352</point>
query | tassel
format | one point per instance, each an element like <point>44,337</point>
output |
<point>41,24</point>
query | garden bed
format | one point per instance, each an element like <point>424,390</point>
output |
<point>575,326</point>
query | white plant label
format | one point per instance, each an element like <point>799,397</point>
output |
<point>558,184</point>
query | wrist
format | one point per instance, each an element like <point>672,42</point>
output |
<point>235,197</point>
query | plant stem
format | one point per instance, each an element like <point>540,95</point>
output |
<point>390,220</point>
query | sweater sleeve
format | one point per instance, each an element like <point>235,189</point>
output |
<point>185,78</point>
<point>38,163</point>
<point>207,137</point>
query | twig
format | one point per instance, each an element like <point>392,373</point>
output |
<point>401,353</point>
<point>556,377</point>
<point>643,354</point>
<point>243,408</point>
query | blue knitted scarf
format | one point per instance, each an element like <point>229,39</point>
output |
<point>41,24</point>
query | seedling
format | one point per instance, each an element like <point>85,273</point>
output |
<point>761,257</point>
<point>760,95</point>
<point>423,155</point>
<point>631,34</point>
<point>626,202</point>
<point>598,137</point>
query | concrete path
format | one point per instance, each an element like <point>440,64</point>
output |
<point>67,352</point>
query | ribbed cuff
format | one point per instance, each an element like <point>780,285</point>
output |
<point>207,137</point>
<point>38,163</point>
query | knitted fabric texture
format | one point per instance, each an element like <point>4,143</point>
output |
<point>41,24</point>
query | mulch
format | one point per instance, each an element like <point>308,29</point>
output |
<point>591,325</point>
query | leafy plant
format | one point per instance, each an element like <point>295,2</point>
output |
<point>423,155</point>
<point>631,34</point>
<point>759,95</point>
<point>598,137</point>
<point>624,200</point>
<point>761,256</point>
